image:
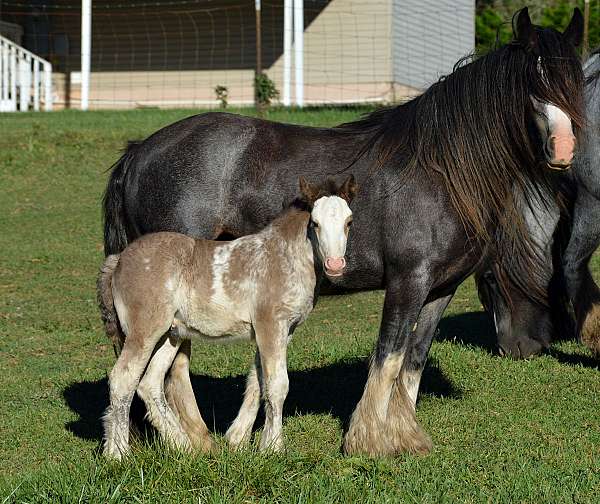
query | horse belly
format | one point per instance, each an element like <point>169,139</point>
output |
<point>214,323</point>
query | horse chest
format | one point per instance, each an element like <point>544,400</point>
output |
<point>298,298</point>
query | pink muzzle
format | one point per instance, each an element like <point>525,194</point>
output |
<point>563,148</point>
<point>334,266</point>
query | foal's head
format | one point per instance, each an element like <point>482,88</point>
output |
<point>331,218</point>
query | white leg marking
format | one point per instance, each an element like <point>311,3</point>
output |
<point>241,429</point>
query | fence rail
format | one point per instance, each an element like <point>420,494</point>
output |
<point>25,79</point>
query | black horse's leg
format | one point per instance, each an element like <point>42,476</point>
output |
<point>419,345</point>
<point>384,421</point>
<point>581,288</point>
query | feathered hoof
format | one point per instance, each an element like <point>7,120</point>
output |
<point>590,331</point>
<point>114,452</point>
<point>203,443</point>
<point>383,440</point>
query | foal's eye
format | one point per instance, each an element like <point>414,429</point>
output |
<point>349,223</point>
<point>315,225</point>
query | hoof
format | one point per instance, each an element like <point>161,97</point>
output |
<point>399,432</point>
<point>114,454</point>
<point>238,438</point>
<point>590,331</point>
<point>203,443</point>
<point>388,442</point>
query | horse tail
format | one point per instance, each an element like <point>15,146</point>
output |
<point>115,224</point>
<point>107,304</point>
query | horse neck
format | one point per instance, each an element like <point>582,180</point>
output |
<point>290,228</point>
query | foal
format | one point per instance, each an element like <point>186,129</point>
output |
<point>167,287</point>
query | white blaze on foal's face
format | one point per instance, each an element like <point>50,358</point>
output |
<point>332,217</point>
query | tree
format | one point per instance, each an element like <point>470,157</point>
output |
<point>493,19</point>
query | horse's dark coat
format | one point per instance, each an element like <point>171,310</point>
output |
<point>527,328</point>
<point>437,178</point>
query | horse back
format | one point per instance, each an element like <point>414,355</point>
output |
<point>219,174</point>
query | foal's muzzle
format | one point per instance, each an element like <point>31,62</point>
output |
<point>334,266</point>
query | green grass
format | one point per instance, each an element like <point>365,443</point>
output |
<point>503,431</point>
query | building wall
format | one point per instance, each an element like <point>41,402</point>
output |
<point>347,52</point>
<point>176,54</point>
<point>429,37</point>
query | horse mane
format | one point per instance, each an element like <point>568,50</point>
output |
<point>472,129</point>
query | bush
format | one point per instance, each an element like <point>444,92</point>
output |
<point>265,90</point>
<point>222,94</point>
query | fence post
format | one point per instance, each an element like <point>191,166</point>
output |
<point>47,86</point>
<point>86,51</point>
<point>299,50</point>
<point>586,28</point>
<point>24,84</point>
<point>13,78</point>
<point>258,71</point>
<point>288,16</point>
<point>36,85</point>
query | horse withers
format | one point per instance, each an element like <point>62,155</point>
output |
<point>167,287</point>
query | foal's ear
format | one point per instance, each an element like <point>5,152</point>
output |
<point>309,191</point>
<point>348,189</point>
<point>574,32</point>
<point>524,30</point>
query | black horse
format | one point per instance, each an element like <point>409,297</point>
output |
<point>527,328</point>
<point>441,179</point>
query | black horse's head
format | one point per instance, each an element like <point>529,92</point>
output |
<point>556,79</point>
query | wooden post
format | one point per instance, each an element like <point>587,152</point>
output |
<point>258,72</point>
<point>586,29</point>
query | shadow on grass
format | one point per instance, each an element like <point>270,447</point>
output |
<point>574,359</point>
<point>333,389</point>
<point>473,328</point>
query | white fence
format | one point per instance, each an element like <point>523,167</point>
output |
<point>25,79</point>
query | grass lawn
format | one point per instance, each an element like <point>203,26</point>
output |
<point>503,431</point>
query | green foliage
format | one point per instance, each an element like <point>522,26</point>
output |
<point>503,430</point>
<point>222,94</point>
<point>493,19</point>
<point>265,90</point>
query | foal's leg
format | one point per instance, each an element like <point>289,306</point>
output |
<point>123,381</point>
<point>272,339</point>
<point>240,431</point>
<point>151,390</point>
<point>181,398</point>
<point>384,421</point>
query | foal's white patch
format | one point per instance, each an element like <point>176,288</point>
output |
<point>170,284</point>
<point>220,267</point>
<point>331,213</point>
